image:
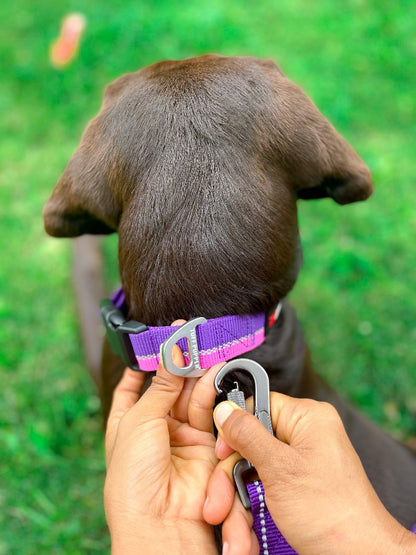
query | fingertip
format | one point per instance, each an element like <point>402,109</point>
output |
<point>207,379</point>
<point>207,512</point>
<point>177,355</point>
<point>130,374</point>
<point>223,411</point>
<point>178,361</point>
<point>222,449</point>
<point>220,497</point>
<point>237,532</point>
<point>128,389</point>
<point>178,322</point>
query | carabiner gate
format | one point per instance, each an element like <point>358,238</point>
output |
<point>261,412</point>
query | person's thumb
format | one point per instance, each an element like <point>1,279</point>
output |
<point>164,391</point>
<point>242,431</point>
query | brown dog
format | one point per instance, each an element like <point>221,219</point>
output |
<point>198,165</point>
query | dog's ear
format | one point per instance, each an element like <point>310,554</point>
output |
<point>318,161</point>
<point>336,170</point>
<point>84,199</point>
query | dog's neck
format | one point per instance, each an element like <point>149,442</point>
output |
<point>285,355</point>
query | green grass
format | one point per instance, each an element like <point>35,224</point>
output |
<point>355,295</point>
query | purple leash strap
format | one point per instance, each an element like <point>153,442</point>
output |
<point>271,541</point>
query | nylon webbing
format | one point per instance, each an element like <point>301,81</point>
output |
<point>270,539</point>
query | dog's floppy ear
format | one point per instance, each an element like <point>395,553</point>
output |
<point>337,170</point>
<point>84,199</point>
<point>318,161</point>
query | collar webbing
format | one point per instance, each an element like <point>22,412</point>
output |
<point>218,339</point>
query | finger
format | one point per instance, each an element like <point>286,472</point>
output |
<point>180,409</point>
<point>158,400</point>
<point>181,434</point>
<point>202,399</point>
<point>222,449</point>
<point>237,427</point>
<point>296,420</point>
<point>293,418</point>
<point>220,491</point>
<point>237,531</point>
<point>254,548</point>
<point>126,394</point>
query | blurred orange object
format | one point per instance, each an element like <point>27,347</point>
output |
<point>65,47</point>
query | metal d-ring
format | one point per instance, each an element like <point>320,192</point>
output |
<point>188,331</point>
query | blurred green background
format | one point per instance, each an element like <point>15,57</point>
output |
<point>355,295</point>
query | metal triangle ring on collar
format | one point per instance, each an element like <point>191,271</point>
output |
<point>188,331</point>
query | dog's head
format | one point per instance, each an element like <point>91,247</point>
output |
<point>198,165</point>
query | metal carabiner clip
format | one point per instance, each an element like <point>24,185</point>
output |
<point>261,412</point>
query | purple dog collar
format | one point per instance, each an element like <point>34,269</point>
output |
<point>215,340</point>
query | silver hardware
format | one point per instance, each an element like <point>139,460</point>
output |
<point>261,411</point>
<point>187,330</point>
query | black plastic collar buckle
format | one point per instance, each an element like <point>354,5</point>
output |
<point>118,330</point>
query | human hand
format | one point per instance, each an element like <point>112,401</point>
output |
<point>316,488</point>
<point>160,455</point>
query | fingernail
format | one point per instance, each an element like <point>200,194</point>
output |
<point>218,444</point>
<point>222,412</point>
<point>177,356</point>
<point>206,504</point>
<point>225,548</point>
